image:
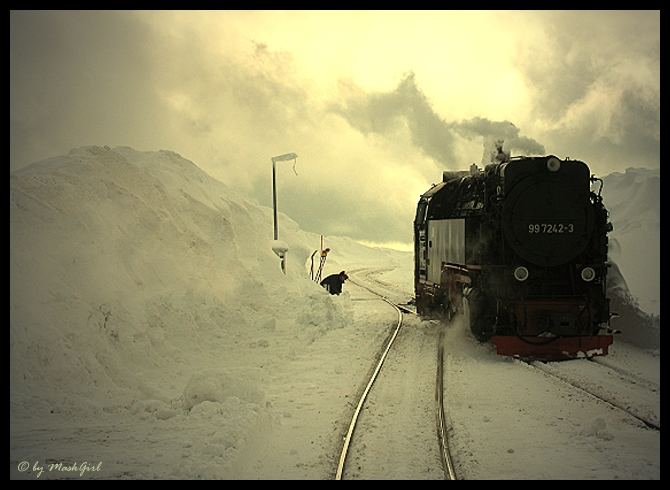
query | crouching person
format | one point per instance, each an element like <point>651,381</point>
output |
<point>333,283</point>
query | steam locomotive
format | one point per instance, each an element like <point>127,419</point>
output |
<point>524,242</point>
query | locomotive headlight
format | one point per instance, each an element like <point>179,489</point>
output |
<point>588,274</point>
<point>521,273</point>
<point>553,164</point>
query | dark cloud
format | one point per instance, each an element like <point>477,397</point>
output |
<point>381,113</point>
<point>596,85</point>
<point>110,79</point>
<point>78,78</point>
<point>499,130</point>
<point>637,118</point>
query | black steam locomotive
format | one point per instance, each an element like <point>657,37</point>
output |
<point>525,242</point>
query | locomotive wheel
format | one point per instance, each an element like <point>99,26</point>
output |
<point>482,315</point>
<point>420,308</point>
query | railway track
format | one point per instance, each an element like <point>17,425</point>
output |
<point>445,457</point>
<point>622,394</point>
<point>633,378</point>
<point>382,288</point>
<point>648,421</point>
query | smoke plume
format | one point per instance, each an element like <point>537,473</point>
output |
<point>381,113</point>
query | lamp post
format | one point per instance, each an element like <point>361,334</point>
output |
<point>279,248</point>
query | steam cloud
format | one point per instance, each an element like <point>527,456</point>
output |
<point>380,113</point>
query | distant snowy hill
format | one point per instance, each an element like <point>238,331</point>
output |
<point>633,200</point>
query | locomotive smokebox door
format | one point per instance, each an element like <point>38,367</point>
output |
<point>547,216</point>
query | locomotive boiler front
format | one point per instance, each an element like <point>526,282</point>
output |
<point>547,218</point>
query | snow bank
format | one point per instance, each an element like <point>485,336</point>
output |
<point>217,386</point>
<point>132,274</point>
<point>633,200</point>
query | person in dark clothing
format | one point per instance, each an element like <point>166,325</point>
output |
<point>333,283</point>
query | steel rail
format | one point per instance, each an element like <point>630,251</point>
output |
<point>395,305</point>
<point>535,365</point>
<point>361,401</point>
<point>445,455</point>
<point>632,377</point>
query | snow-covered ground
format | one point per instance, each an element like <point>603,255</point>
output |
<point>509,421</point>
<point>153,335</point>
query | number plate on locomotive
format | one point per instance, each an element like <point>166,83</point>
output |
<point>549,228</point>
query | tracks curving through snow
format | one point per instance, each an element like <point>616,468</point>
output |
<point>444,455</point>
<point>361,401</point>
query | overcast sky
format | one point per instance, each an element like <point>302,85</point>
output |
<point>376,104</point>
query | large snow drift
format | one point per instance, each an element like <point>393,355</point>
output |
<point>131,274</point>
<point>126,266</point>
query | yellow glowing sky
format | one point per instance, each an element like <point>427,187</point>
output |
<point>375,103</point>
<point>454,53</point>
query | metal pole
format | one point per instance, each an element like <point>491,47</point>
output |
<point>274,196</point>
<point>280,158</point>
